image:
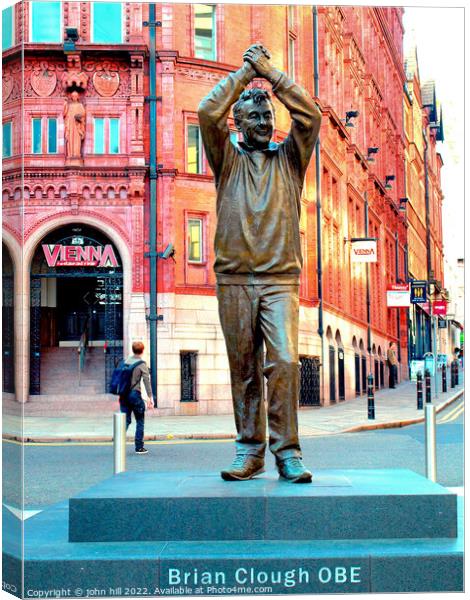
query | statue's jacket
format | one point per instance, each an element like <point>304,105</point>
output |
<point>257,239</point>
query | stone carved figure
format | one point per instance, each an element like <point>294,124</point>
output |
<point>258,256</point>
<point>74,125</point>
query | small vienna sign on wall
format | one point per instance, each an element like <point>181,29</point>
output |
<point>364,250</point>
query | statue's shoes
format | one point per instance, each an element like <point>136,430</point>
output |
<point>293,469</point>
<point>244,466</point>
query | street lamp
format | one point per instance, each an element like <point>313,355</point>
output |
<point>388,179</point>
<point>370,152</point>
<point>351,114</point>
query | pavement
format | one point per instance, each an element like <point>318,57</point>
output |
<point>393,408</point>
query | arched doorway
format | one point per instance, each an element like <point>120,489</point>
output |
<point>357,367</point>
<point>332,364</point>
<point>363,367</point>
<point>8,333</point>
<point>76,311</point>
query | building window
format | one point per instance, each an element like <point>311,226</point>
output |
<point>37,140</point>
<point>188,376</point>
<point>8,28</point>
<point>195,157</point>
<point>204,31</point>
<point>6,134</point>
<point>46,22</point>
<point>107,22</point>
<point>52,136</point>
<point>292,36</point>
<point>106,135</point>
<point>195,240</point>
<point>37,136</point>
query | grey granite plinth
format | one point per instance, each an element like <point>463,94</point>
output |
<point>338,505</point>
<point>57,568</point>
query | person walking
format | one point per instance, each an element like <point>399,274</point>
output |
<point>392,365</point>
<point>132,402</point>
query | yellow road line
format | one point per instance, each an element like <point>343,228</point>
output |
<point>130,443</point>
<point>452,417</point>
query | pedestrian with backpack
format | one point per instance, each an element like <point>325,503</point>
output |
<point>126,382</point>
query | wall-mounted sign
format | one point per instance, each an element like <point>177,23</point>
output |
<point>418,292</point>
<point>364,250</point>
<point>398,295</point>
<point>439,307</point>
<point>442,323</point>
<point>79,256</point>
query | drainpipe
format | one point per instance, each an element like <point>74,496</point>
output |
<point>152,254</point>
<point>318,187</point>
<point>397,271</point>
<point>366,234</point>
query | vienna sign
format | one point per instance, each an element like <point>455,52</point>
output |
<point>80,256</point>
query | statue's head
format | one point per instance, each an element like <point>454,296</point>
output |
<point>254,117</point>
<point>74,97</point>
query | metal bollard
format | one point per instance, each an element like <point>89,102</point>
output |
<point>430,441</point>
<point>444,379</point>
<point>119,438</point>
<point>370,397</point>
<point>456,372</point>
<point>419,390</point>
<point>427,385</point>
<point>452,376</point>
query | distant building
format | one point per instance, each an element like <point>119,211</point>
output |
<point>86,193</point>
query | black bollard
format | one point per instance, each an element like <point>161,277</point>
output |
<point>427,385</point>
<point>419,390</point>
<point>444,379</point>
<point>370,397</point>
<point>452,375</point>
<point>456,372</point>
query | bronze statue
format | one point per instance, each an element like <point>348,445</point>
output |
<point>74,126</point>
<point>258,256</point>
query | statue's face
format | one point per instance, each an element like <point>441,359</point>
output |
<point>74,96</point>
<point>256,122</point>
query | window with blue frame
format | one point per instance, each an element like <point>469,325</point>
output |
<point>205,42</point>
<point>7,28</point>
<point>106,134</point>
<point>6,134</point>
<point>39,143</point>
<point>107,22</point>
<point>46,22</point>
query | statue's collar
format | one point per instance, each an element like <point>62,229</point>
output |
<point>273,146</point>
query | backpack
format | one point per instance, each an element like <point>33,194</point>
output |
<point>121,378</point>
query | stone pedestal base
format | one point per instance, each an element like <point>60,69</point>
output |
<point>151,534</point>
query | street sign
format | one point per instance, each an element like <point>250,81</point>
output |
<point>442,360</point>
<point>439,307</point>
<point>429,363</point>
<point>418,292</point>
<point>441,323</point>
<point>398,295</point>
<point>415,367</point>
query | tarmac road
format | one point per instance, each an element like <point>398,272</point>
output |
<point>53,472</point>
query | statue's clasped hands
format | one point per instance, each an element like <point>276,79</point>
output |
<point>259,58</point>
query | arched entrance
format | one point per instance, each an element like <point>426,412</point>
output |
<point>76,311</point>
<point>8,333</point>
<point>341,375</point>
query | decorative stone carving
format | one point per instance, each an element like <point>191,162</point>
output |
<point>75,79</point>
<point>106,82</point>
<point>74,121</point>
<point>7,84</point>
<point>43,81</point>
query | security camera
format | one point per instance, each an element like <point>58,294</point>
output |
<point>168,252</point>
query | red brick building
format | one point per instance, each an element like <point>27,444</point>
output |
<point>353,54</point>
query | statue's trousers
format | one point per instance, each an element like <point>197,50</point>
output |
<point>250,314</point>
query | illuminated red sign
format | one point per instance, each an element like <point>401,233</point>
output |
<point>79,256</point>
<point>439,308</point>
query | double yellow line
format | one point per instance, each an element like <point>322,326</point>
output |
<point>453,414</point>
